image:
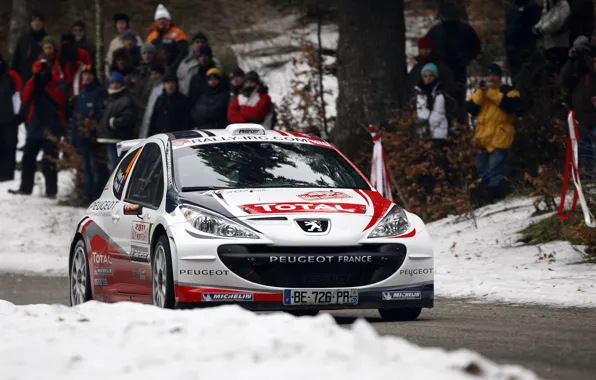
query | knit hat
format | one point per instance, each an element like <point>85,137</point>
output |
<point>51,40</point>
<point>215,71</point>
<point>495,69</point>
<point>162,12</point>
<point>425,43</point>
<point>170,77</point>
<point>38,15</point>
<point>121,17</point>
<point>252,76</point>
<point>116,77</point>
<point>430,67</point>
<point>79,24</point>
<point>200,36</point>
<point>129,34</point>
<point>147,48</point>
<point>205,49</point>
<point>237,72</point>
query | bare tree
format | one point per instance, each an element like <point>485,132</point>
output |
<point>18,22</point>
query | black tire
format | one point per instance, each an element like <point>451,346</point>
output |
<point>303,313</point>
<point>397,315</point>
<point>77,274</point>
<point>162,287</point>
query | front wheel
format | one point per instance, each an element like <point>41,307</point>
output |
<point>163,279</point>
<point>79,278</point>
<point>396,315</point>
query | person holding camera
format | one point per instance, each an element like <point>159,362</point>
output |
<point>42,101</point>
<point>495,106</point>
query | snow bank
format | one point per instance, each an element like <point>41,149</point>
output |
<point>131,341</point>
<point>35,231</point>
<point>487,263</point>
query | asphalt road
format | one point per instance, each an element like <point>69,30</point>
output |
<point>555,343</point>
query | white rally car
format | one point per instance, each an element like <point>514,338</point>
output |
<point>270,220</point>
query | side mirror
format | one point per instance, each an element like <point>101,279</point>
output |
<point>133,209</point>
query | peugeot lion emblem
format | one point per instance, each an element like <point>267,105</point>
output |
<point>314,226</point>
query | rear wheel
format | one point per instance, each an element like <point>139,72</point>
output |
<point>405,314</point>
<point>162,278</point>
<point>79,278</point>
<point>303,313</point>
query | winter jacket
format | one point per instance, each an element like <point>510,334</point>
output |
<point>198,82</point>
<point>170,114</point>
<point>143,85</point>
<point>10,83</point>
<point>252,109</point>
<point>581,20</point>
<point>156,91</point>
<point>116,44</point>
<point>172,44</point>
<point>211,110</point>
<point>43,105</point>
<point>520,19</point>
<point>119,118</point>
<point>87,106</point>
<point>27,52</point>
<point>188,68</point>
<point>457,44</point>
<point>69,74</point>
<point>553,24</point>
<point>495,110</point>
<point>86,45</point>
<point>445,75</point>
<point>431,108</point>
<point>579,78</point>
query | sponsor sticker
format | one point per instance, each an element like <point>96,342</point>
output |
<point>401,295</point>
<point>99,258</point>
<point>102,206</point>
<point>414,272</point>
<point>285,259</point>
<point>204,272</point>
<point>100,281</point>
<point>219,297</point>
<point>293,207</point>
<point>242,138</point>
<point>320,195</point>
<point>103,271</point>
<point>138,253</point>
<point>139,274</point>
<point>140,232</point>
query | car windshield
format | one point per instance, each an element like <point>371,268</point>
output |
<point>262,164</point>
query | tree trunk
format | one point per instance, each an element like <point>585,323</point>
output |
<point>18,22</point>
<point>371,69</point>
<point>99,63</point>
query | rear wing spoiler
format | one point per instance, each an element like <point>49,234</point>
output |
<point>125,146</point>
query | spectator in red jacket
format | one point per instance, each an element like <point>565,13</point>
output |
<point>10,83</point>
<point>69,65</point>
<point>252,105</point>
<point>44,104</point>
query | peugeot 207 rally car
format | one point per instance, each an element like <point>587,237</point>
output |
<point>267,219</point>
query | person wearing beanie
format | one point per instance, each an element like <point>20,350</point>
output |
<point>10,84</point>
<point>78,29</point>
<point>236,82</point>
<point>122,23</point>
<point>198,82</point>
<point>29,47</point>
<point>169,40</point>
<point>141,77</point>
<point>84,125</point>
<point>252,105</point>
<point>43,108</point>
<point>426,54</point>
<point>118,120</point>
<point>495,106</point>
<point>132,48</point>
<point>211,110</point>
<point>192,63</point>
<point>170,113</point>
<point>69,65</point>
<point>157,74</point>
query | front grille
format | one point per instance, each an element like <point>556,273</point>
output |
<point>313,267</point>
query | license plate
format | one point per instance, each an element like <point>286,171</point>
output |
<point>320,297</point>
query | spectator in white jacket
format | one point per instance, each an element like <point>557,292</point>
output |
<point>431,108</point>
<point>554,29</point>
<point>121,21</point>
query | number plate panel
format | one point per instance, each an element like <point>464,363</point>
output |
<point>320,297</point>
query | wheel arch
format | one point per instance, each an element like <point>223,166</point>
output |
<point>78,236</point>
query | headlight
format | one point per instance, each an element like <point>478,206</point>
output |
<point>215,225</point>
<point>393,224</point>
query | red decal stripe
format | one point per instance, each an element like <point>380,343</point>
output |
<point>408,235</point>
<point>194,294</point>
<point>380,207</point>
<point>85,225</point>
<point>361,193</point>
<point>282,133</point>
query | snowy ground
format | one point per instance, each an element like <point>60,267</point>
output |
<point>487,263</point>
<point>132,341</point>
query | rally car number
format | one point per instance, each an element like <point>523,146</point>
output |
<point>320,297</point>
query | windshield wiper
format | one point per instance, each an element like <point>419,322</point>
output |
<point>202,188</point>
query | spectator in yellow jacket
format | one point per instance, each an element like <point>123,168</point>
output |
<point>495,106</point>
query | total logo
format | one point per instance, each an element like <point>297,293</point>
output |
<point>291,207</point>
<point>99,258</point>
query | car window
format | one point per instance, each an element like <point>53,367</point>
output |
<point>146,182</point>
<point>122,173</point>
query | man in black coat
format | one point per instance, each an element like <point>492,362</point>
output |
<point>78,29</point>
<point>520,42</point>
<point>170,113</point>
<point>198,83</point>
<point>10,83</point>
<point>211,110</point>
<point>29,47</point>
